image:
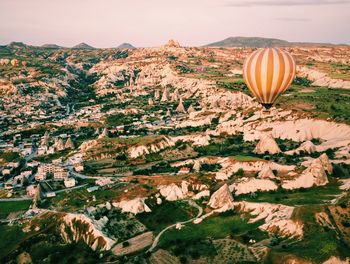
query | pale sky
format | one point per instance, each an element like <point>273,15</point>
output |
<point>108,23</point>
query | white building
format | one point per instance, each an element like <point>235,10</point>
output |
<point>78,167</point>
<point>60,174</point>
<point>70,182</point>
<point>40,176</point>
<point>103,182</point>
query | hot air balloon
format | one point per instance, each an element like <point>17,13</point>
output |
<point>14,62</point>
<point>268,72</point>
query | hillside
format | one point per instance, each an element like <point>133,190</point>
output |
<point>82,46</point>
<point>126,46</point>
<point>51,46</point>
<point>256,42</point>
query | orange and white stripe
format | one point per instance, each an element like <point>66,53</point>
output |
<point>268,73</point>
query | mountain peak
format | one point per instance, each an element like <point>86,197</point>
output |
<point>126,45</point>
<point>256,42</point>
<point>51,46</point>
<point>82,46</point>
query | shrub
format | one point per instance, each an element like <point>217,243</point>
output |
<point>126,244</point>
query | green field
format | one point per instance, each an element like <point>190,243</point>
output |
<point>337,105</point>
<point>245,158</point>
<point>166,214</point>
<point>314,195</point>
<point>10,236</point>
<point>7,207</point>
<point>226,224</point>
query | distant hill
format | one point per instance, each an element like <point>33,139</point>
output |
<point>51,46</point>
<point>82,46</point>
<point>126,46</point>
<point>17,45</point>
<point>255,42</point>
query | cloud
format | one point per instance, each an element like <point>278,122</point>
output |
<point>248,3</point>
<point>292,19</point>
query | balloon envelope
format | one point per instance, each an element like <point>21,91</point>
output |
<point>268,73</point>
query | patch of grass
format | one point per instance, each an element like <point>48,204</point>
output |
<point>166,214</point>
<point>7,207</point>
<point>314,195</point>
<point>9,156</point>
<point>319,243</point>
<point>213,227</point>
<point>337,105</point>
<point>245,158</point>
<point>11,237</point>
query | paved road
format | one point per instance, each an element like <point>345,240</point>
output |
<point>79,175</point>
<point>16,199</point>
<point>156,240</point>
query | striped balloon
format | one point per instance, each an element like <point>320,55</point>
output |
<point>268,73</point>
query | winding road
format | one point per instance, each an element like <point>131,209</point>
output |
<point>156,239</point>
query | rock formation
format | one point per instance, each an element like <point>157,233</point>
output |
<point>69,144</point>
<point>278,218</point>
<point>222,199</point>
<point>134,206</point>
<point>253,185</point>
<point>104,133</point>
<point>315,174</point>
<point>191,109</point>
<point>175,96</point>
<point>156,95</point>
<point>165,95</point>
<point>266,173</point>
<point>173,192</point>
<point>267,144</point>
<point>172,44</point>
<point>59,145</point>
<point>78,227</point>
<point>307,147</point>
<point>180,108</point>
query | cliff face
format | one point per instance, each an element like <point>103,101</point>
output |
<point>315,174</point>
<point>267,144</point>
<point>221,199</point>
<point>134,206</point>
<point>78,227</point>
<point>277,217</point>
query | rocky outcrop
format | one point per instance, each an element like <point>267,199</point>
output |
<point>315,174</point>
<point>337,260</point>
<point>331,134</point>
<point>172,44</point>
<point>306,147</point>
<point>104,133</point>
<point>165,95</point>
<point>196,139</point>
<point>69,144</point>
<point>154,146</point>
<point>322,79</point>
<point>173,192</point>
<point>86,145</point>
<point>253,185</point>
<point>277,218</point>
<point>222,199</point>
<point>191,109</point>
<point>180,108</point>
<point>267,144</point>
<point>230,166</point>
<point>134,206</point>
<point>78,227</point>
<point>266,173</point>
